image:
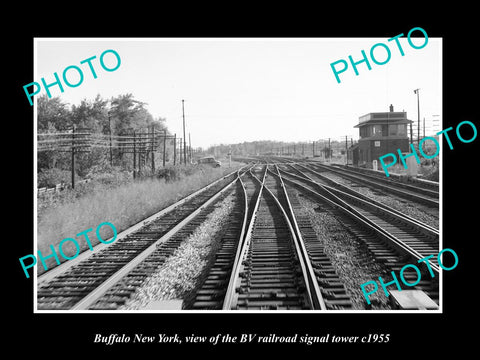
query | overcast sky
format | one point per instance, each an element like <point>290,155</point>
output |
<point>249,89</point>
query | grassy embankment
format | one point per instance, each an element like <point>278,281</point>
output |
<point>112,198</point>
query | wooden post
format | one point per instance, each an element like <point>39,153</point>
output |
<point>346,149</point>
<point>73,157</point>
<point>110,131</point>
<point>180,140</point>
<point>189,148</point>
<point>164,145</point>
<point>152,148</point>
<point>184,137</point>
<point>134,156</point>
<point>174,149</point>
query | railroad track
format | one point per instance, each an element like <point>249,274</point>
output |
<point>281,264</point>
<point>317,177</point>
<point>422,195</point>
<point>270,273</point>
<point>88,281</point>
<point>393,241</point>
<point>212,291</point>
<point>418,182</point>
<point>269,257</point>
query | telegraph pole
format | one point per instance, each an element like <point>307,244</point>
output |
<point>110,131</point>
<point>180,150</point>
<point>73,157</point>
<point>134,156</point>
<point>329,151</point>
<point>346,150</point>
<point>152,149</point>
<point>189,148</point>
<point>417,91</point>
<point>184,138</point>
<point>175,149</point>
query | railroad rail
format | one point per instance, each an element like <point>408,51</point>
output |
<point>269,257</point>
<point>272,273</point>
<point>79,283</point>
<point>278,267</point>
<point>333,185</point>
<point>429,197</point>
<point>419,182</point>
<point>393,243</point>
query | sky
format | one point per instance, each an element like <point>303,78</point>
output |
<point>247,89</point>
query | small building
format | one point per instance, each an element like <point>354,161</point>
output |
<point>380,133</point>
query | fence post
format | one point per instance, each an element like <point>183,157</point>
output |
<point>174,149</point>
<point>73,157</point>
<point>134,156</point>
<point>152,140</point>
<point>164,145</point>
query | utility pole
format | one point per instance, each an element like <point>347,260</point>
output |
<point>180,142</point>
<point>417,91</point>
<point>110,131</point>
<point>152,140</point>
<point>411,134</point>
<point>346,150</point>
<point>329,151</point>
<point>140,152</point>
<point>313,149</point>
<point>175,149</point>
<point>73,157</point>
<point>184,138</point>
<point>189,148</point>
<point>164,145</point>
<point>134,156</point>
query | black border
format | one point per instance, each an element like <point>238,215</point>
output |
<point>414,334</point>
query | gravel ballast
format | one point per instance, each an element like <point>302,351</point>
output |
<point>353,262</point>
<point>416,211</point>
<point>180,272</point>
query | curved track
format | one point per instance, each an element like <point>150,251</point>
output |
<point>392,240</point>
<point>269,257</point>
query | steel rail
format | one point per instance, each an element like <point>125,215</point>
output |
<point>64,266</point>
<point>227,302</point>
<point>230,299</point>
<point>111,280</point>
<point>317,298</point>
<point>427,229</point>
<point>314,295</point>
<point>387,187</point>
<point>423,184</point>
<point>340,204</point>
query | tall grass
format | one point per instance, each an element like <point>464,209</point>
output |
<point>122,206</point>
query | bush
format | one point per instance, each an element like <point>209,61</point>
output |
<point>105,174</point>
<point>123,206</point>
<point>52,177</point>
<point>433,175</point>
<point>175,173</point>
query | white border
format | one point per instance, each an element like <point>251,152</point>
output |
<point>265,312</point>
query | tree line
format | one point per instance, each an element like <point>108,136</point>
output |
<point>115,117</point>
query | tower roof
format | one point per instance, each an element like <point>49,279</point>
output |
<point>378,118</point>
